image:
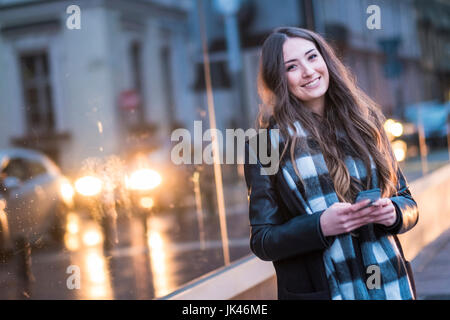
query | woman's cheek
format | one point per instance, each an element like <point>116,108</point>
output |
<point>292,83</point>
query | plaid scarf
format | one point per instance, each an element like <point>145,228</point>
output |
<point>344,272</point>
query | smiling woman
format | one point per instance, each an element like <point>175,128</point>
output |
<point>305,218</point>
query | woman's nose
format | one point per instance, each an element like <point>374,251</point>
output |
<point>307,72</point>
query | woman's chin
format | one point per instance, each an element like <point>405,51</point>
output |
<point>311,98</point>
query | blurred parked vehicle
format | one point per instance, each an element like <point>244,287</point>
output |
<point>141,182</point>
<point>104,184</point>
<point>404,138</point>
<point>434,116</point>
<point>107,188</point>
<point>36,194</point>
<point>152,174</point>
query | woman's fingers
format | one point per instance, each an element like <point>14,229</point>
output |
<point>357,220</point>
<point>383,211</point>
<point>356,215</point>
<point>363,219</point>
<point>384,221</point>
<point>387,209</point>
<point>387,218</point>
<point>344,217</point>
<point>357,206</point>
<point>355,224</point>
<point>383,215</point>
<point>364,215</point>
<point>382,202</point>
<point>378,207</point>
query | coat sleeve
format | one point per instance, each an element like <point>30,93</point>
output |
<point>405,207</point>
<point>272,237</point>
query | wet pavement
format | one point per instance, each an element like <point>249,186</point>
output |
<point>139,266</point>
<point>432,271</point>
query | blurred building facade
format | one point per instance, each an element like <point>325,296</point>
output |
<point>390,63</point>
<point>134,71</point>
<point>433,25</point>
<point>113,84</point>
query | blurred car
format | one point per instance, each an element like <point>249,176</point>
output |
<point>404,138</point>
<point>105,184</point>
<point>165,186</point>
<point>37,195</point>
<point>434,116</point>
<point>141,181</point>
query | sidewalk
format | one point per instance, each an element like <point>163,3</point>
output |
<point>432,269</point>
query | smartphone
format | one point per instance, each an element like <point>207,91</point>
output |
<point>372,194</point>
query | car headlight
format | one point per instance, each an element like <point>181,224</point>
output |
<point>146,202</point>
<point>397,129</point>
<point>143,179</point>
<point>88,186</point>
<point>393,128</point>
<point>399,147</point>
<point>67,192</point>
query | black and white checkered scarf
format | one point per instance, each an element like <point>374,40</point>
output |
<point>377,247</point>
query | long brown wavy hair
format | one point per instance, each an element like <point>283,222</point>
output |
<point>347,108</point>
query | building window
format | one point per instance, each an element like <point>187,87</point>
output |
<point>219,76</point>
<point>166,56</point>
<point>37,93</point>
<point>136,56</point>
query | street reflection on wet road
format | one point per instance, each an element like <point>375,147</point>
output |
<point>158,263</point>
<point>142,265</point>
<point>89,257</point>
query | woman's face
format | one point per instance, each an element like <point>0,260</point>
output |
<point>306,72</point>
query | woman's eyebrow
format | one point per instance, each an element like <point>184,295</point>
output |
<point>292,60</point>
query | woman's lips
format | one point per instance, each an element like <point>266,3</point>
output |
<point>312,84</point>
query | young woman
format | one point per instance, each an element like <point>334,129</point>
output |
<point>332,143</point>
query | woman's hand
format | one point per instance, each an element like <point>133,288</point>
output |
<point>384,212</point>
<point>343,217</point>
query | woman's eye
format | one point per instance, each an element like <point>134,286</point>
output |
<point>313,56</point>
<point>290,67</point>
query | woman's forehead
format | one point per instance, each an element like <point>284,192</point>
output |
<point>296,48</point>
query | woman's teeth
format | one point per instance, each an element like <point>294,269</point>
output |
<point>312,83</point>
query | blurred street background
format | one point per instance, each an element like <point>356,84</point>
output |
<point>91,205</point>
